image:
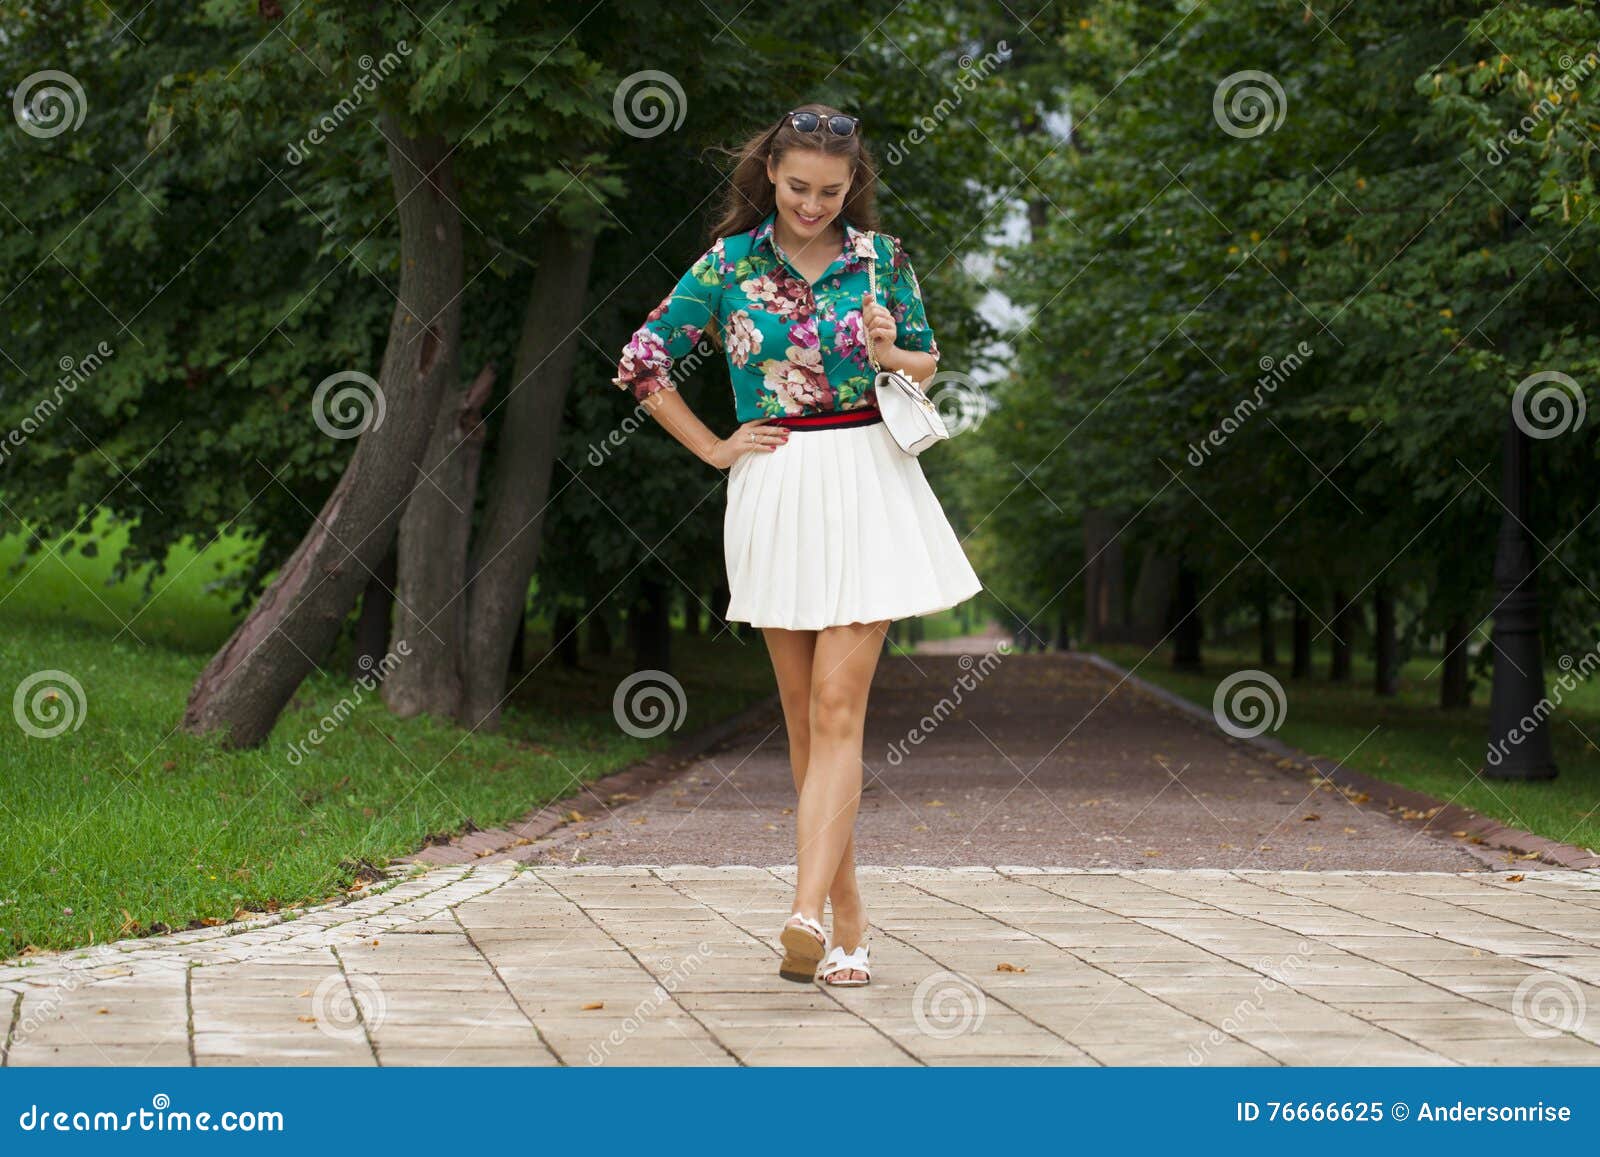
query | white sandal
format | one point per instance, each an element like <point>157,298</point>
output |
<point>804,942</point>
<point>838,960</point>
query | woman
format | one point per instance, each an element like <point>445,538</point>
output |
<point>831,530</point>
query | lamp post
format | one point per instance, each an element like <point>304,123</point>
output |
<point>1519,743</point>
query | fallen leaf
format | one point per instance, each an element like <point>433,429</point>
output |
<point>1516,878</point>
<point>309,1019</point>
<point>1009,968</point>
<point>934,803</point>
<point>1310,816</point>
<point>594,1004</point>
<point>101,1011</point>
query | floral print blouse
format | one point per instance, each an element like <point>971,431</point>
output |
<point>793,347</point>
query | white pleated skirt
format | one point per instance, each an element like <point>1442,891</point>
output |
<point>838,525</point>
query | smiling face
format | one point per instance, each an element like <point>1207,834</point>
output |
<point>809,187</point>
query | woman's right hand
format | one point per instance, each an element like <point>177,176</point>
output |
<point>758,435</point>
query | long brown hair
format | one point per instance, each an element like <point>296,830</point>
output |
<point>749,195</point>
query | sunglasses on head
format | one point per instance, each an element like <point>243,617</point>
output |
<point>810,122</point>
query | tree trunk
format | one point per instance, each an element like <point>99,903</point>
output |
<point>434,534</point>
<point>600,631</point>
<point>566,640</point>
<point>246,685</point>
<point>720,596</point>
<point>1455,690</point>
<point>507,551</point>
<point>519,646</point>
<point>1339,659</point>
<point>652,627</point>
<point>1102,579</point>
<point>1264,626</point>
<point>1186,628</point>
<point>1302,641</point>
<point>1386,675</point>
<point>372,626</point>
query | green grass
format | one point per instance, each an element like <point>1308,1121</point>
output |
<point>126,824</point>
<point>1408,740</point>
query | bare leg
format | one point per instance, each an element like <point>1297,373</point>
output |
<point>843,663</point>
<point>792,659</point>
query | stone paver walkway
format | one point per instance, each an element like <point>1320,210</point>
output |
<point>502,963</point>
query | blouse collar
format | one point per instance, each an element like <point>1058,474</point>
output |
<point>856,241</point>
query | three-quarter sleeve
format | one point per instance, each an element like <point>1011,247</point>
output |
<point>904,293</point>
<point>673,328</point>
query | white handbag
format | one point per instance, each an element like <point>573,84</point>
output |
<point>913,420</point>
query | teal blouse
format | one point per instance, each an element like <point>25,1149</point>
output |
<point>793,347</point>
